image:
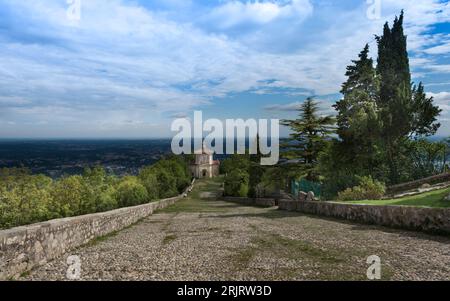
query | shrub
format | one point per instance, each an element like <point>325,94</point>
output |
<point>67,194</point>
<point>27,198</point>
<point>131,193</point>
<point>106,200</point>
<point>368,189</point>
<point>177,169</point>
<point>167,184</point>
<point>236,183</point>
<point>149,180</point>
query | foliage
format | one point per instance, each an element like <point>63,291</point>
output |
<point>427,158</point>
<point>27,198</point>
<point>23,198</point>
<point>405,111</point>
<point>310,135</point>
<point>368,189</point>
<point>274,179</point>
<point>256,172</point>
<point>148,178</point>
<point>130,192</point>
<point>358,119</point>
<point>382,121</point>
<point>433,199</point>
<point>236,183</point>
<point>235,161</point>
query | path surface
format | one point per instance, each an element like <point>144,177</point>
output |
<point>201,238</point>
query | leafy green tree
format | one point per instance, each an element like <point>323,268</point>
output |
<point>172,175</point>
<point>106,200</point>
<point>148,178</point>
<point>167,183</point>
<point>131,193</point>
<point>236,183</point>
<point>241,162</point>
<point>10,214</point>
<point>68,196</point>
<point>275,179</point>
<point>98,191</point>
<point>447,154</point>
<point>426,158</point>
<point>310,135</point>
<point>25,200</point>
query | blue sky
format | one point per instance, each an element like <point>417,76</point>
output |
<point>127,68</point>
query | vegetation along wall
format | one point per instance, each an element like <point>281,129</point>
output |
<point>23,248</point>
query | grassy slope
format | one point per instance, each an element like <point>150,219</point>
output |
<point>433,199</point>
<point>195,202</point>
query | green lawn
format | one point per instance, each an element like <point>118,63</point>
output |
<point>434,199</point>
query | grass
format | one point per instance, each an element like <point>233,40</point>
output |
<point>169,238</point>
<point>325,263</point>
<point>434,199</point>
<point>294,249</point>
<point>195,203</point>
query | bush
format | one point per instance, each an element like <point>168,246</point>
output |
<point>68,195</point>
<point>236,183</point>
<point>240,162</point>
<point>148,179</point>
<point>177,169</point>
<point>107,201</point>
<point>368,189</point>
<point>27,198</point>
<point>131,193</point>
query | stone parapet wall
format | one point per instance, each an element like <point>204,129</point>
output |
<point>26,247</point>
<point>442,178</point>
<point>431,220</point>
<point>259,202</point>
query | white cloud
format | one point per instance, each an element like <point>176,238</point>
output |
<point>234,12</point>
<point>442,99</point>
<point>126,62</point>
<point>438,68</point>
<point>441,49</point>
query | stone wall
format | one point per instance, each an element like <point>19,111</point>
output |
<point>417,184</point>
<point>24,248</point>
<point>432,220</point>
<point>259,202</point>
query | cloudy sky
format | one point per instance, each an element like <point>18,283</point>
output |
<point>128,68</point>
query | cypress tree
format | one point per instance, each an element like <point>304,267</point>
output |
<point>404,111</point>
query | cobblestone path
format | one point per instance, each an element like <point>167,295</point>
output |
<point>201,238</point>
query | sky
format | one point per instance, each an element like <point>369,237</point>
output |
<point>128,68</point>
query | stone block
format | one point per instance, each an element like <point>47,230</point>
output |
<point>302,196</point>
<point>310,197</point>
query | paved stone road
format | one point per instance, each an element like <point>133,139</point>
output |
<point>201,238</point>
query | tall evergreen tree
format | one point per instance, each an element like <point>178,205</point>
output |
<point>256,171</point>
<point>404,111</point>
<point>357,119</point>
<point>310,135</point>
<point>361,75</point>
